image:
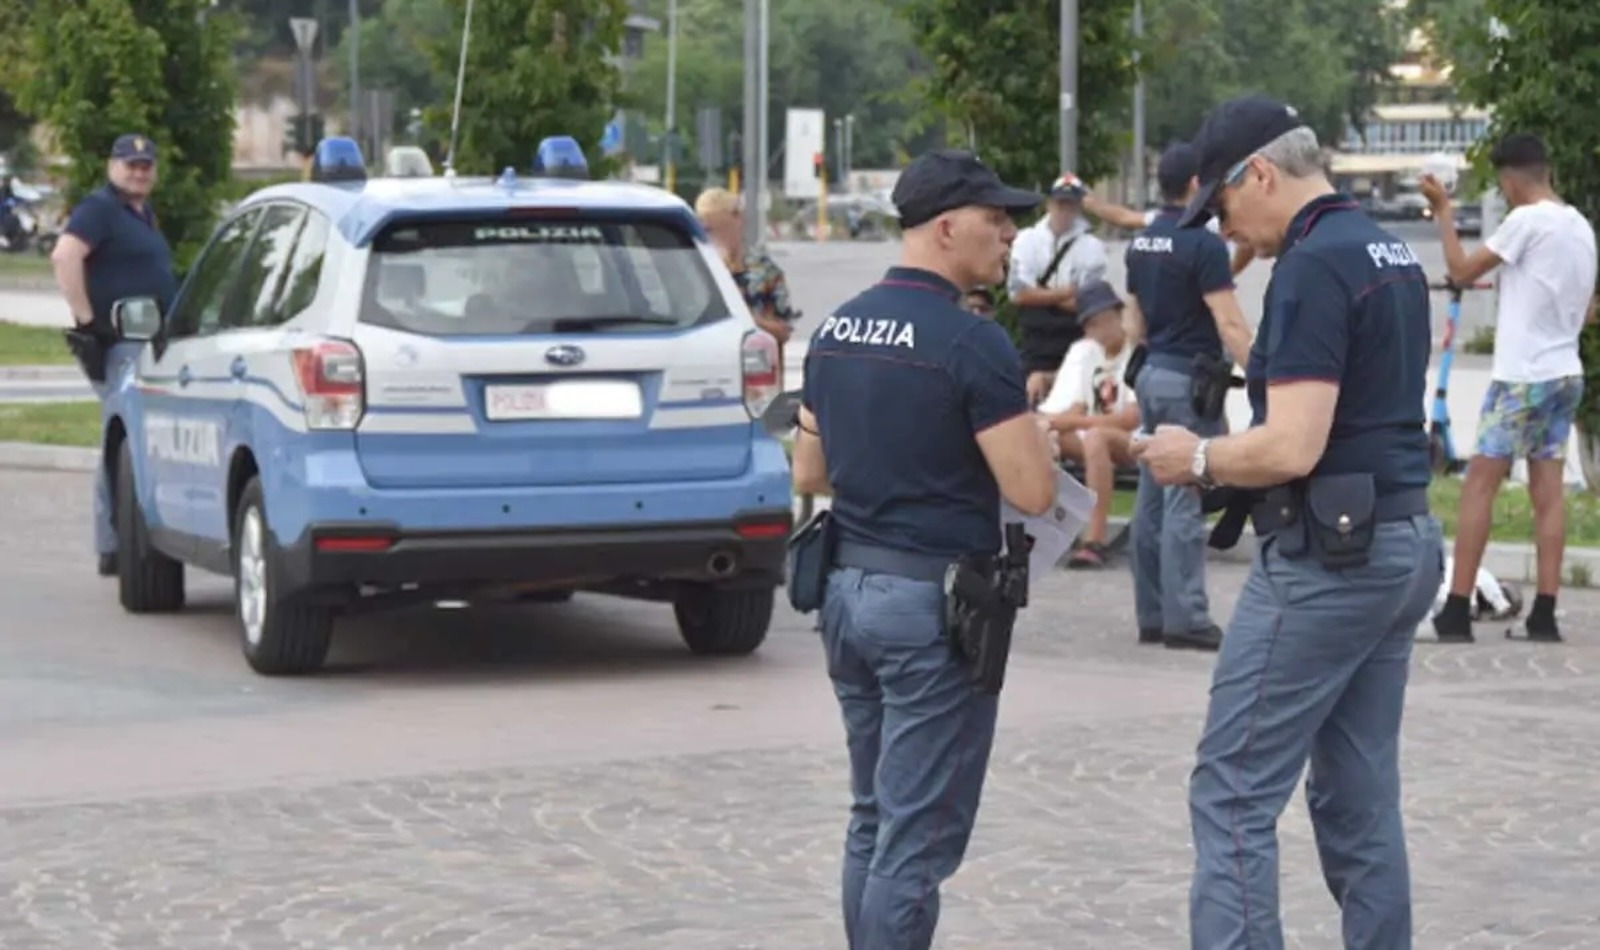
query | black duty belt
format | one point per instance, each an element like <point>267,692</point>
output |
<point>1280,508</point>
<point>907,564</point>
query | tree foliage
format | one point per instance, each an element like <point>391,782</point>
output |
<point>843,57</point>
<point>535,68</point>
<point>1542,75</point>
<point>158,67</point>
<point>1328,58</point>
<point>995,77</point>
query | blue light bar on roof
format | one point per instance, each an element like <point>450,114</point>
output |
<point>338,158</point>
<point>560,156</point>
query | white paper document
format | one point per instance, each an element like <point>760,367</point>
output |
<point>1054,531</point>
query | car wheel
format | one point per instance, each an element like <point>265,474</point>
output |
<point>282,632</point>
<point>148,581</point>
<point>718,621</point>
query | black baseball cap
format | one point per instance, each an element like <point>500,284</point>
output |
<point>1232,133</point>
<point>1179,163</point>
<point>945,179</point>
<point>133,148</point>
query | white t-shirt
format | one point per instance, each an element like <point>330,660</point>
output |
<point>1546,284</point>
<point>1034,248</point>
<point>1088,377</point>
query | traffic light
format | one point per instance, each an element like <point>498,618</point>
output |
<point>816,164</point>
<point>305,131</point>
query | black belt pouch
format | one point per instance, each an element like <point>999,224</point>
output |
<point>810,558</point>
<point>1341,513</point>
<point>1136,360</point>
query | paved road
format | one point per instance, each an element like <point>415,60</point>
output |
<point>568,777</point>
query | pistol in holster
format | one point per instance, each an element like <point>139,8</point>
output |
<point>89,349</point>
<point>982,597</point>
<point>1209,385</point>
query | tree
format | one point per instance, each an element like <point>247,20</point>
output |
<point>1541,74</point>
<point>14,124</point>
<point>394,54</point>
<point>1327,58</point>
<point>535,68</point>
<point>995,79</point>
<point>843,57</point>
<point>159,67</point>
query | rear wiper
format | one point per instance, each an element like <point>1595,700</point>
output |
<point>579,323</point>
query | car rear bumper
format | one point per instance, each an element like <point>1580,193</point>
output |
<point>749,547</point>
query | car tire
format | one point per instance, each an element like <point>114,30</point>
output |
<point>716,621</point>
<point>148,582</point>
<point>281,633</point>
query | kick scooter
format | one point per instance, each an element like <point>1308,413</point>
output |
<point>1441,443</point>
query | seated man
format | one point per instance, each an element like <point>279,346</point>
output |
<point>1092,410</point>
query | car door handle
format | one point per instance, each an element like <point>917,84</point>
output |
<point>238,367</point>
<point>184,376</point>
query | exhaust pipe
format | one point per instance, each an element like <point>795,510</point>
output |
<point>722,564</point>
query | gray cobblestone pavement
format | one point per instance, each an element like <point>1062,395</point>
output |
<point>566,776</point>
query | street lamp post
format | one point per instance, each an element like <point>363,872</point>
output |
<point>355,70</point>
<point>1069,85</point>
<point>1139,186</point>
<point>670,164</point>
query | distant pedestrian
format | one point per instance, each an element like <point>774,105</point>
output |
<point>760,279</point>
<point>1049,262</point>
<point>112,248</point>
<point>1546,251</point>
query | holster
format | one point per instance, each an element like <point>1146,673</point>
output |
<point>90,350</point>
<point>981,598</point>
<point>1136,359</point>
<point>808,560</point>
<point>1209,385</point>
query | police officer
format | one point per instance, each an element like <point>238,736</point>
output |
<point>1349,560</point>
<point>1182,307</point>
<point>915,414</point>
<point>112,248</point>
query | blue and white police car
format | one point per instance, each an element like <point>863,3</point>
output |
<point>374,392</point>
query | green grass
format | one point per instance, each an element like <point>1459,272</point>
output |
<point>51,423</point>
<point>27,264</point>
<point>32,346</point>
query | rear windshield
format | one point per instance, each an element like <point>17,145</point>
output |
<point>504,276</point>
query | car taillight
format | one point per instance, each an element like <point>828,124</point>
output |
<point>759,357</point>
<point>331,383</point>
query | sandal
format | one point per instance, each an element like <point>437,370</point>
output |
<point>1091,554</point>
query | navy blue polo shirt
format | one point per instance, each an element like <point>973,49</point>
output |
<point>1348,303</point>
<point>1170,270</point>
<point>128,257</point>
<point>900,379</point>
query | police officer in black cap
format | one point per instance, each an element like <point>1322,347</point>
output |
<point>111,248</point>
<point>915,416</point>
<point>1349,560</point>
<point>1183,309</point>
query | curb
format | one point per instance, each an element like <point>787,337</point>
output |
<point>18,282</point>
<point>47,458</point>
<point>62,372</point>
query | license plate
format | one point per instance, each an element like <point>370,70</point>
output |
<point>570,399</point>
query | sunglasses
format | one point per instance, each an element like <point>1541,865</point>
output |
<point>1230,179</point>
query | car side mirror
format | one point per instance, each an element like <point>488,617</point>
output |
<point>782,414</point>
<point>136,318</point>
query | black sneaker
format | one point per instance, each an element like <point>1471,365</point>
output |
<point>1148,635</point>
<point>108,565</point>
<point>1542,628</point>
<point>1206,638</point>
<point>1452,627</point>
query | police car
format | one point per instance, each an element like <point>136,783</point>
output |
<point>376,392</point>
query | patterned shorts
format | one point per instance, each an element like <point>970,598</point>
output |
<point>1528,420</point>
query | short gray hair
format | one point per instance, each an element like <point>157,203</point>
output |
<point>1297,152</point>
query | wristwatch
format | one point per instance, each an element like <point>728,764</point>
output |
<point>1198,464</point>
